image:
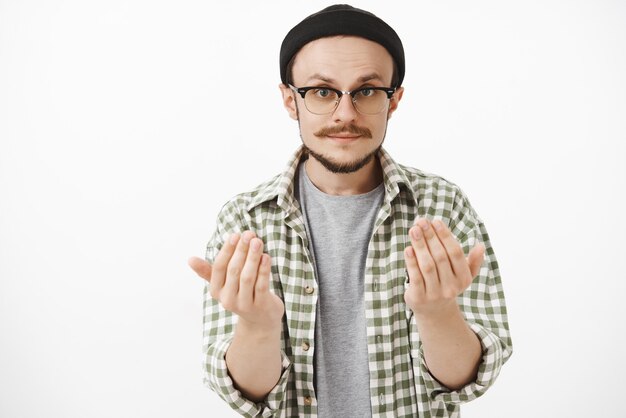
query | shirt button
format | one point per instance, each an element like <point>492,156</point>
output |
<point>308,400</point>
<point>305,346</point>
<point>379,339</point>
<point>381,398</point>
<point>375,285</point>
<point>309,290</point>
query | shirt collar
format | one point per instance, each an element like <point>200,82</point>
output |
<point>282,186</point>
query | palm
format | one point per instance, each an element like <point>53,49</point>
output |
<point>240,281</point>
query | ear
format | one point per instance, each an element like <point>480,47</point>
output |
<point>289,101</point>
<point>395,99</point>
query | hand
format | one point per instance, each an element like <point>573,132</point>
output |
<point>438,270</point>
<point>240,280</point>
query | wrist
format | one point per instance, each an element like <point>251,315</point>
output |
<point>256,331</point>
<point>444,313</point>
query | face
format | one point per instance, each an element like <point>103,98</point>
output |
<point>343,141</point>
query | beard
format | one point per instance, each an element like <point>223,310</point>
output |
<point>330,163</point>
<point>337,167</point>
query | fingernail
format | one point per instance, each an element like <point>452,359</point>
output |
<point>255,245</point>
<point>247,236</point>
<point>415,233</point>
<point>423,223</point>
<point>438,225</point>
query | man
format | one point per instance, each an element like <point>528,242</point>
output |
<point>341,287</point>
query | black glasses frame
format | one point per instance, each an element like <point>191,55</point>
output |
<point>302,90</point>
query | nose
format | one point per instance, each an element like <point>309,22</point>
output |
<point>345,111</point>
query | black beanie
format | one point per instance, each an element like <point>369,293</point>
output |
<point>342,19</point>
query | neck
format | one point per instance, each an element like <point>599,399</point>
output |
<point>364,180</point>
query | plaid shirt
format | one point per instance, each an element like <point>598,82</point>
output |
<point>400,383</point>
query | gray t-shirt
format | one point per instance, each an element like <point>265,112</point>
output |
<point>339,230</point>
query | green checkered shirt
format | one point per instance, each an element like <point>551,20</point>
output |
<point>400,383</point>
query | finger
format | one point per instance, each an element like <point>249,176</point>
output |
<point>415,291</point>
<point>236,263</point>
<point>455,253</point>
<point>250,271</point>
<point>425,262</point>
<point>262,286</point>
<point>218,275</point>
<point>437,252</point>
<point>201,267</point>
<point>475,259</point>
<point>415,275</point>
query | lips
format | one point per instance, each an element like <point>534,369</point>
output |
<point>343,138</point>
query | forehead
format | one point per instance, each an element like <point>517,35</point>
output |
<point>343,59</point>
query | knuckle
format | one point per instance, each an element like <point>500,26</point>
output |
<point>428,267</point>
<point>246,278</point>
<point>241,250</point>
<point>429,233</point>
<point>265,270</point>
<point>456,252</point>
<point>229,303</point>
<point>442,230</point>
<point>241,245</point>
<point>246,237</point>
<point>262,286</point>
<point>410,261</point>
<point>440,257</point>
<point>233,271</point>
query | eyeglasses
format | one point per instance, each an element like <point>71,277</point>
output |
<point>324,100</point>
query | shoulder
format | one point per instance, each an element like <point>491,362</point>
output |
<point>425,184</point>
<point>419,184</point>
<point>243,202</point>
<point>438,197</point>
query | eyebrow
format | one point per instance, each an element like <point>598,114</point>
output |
<point>362,79</point>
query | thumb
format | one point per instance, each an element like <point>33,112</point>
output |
<point>201,267</point>
<point>475,259</point>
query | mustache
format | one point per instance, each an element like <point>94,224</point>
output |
<point>353,129</point>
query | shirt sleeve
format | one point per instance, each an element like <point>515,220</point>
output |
<point>218,328</point>
<point>484,308</point>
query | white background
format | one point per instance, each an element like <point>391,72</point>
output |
<point>125,125</point>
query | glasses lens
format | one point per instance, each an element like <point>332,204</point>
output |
<point>320,101</point>
<point>370,101</point>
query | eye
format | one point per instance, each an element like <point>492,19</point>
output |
<point>323,93</point>
<point>366,92</point>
